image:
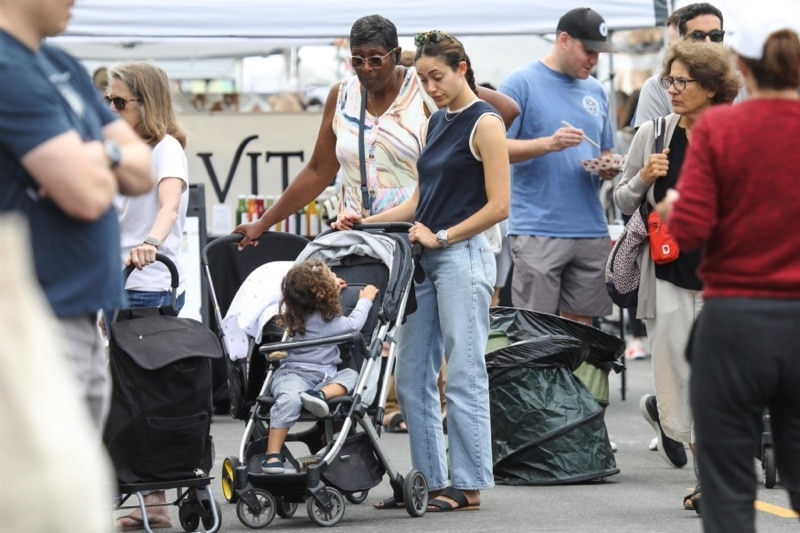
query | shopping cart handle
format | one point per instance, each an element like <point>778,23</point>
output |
<point>173,270</point>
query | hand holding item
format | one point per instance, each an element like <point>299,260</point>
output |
<point>346,221</point>
<point>610,166</point>
<point>583,137</point>
<point>142,255</point>
<point>369,292</point>
<point>656,167</point>
<point>422,234</point>
<point>565,137</point>
<point>251,231</point>
<point>607,167</point>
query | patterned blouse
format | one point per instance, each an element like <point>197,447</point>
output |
<point>393,142</point>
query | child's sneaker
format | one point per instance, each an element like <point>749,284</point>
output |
<point>314,402</point>
<point>270,466</point>
<point>635,350</point>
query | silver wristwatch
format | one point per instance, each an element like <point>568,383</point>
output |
<point>112,153</point>
<point>152,241</point>
<point>441,236</point>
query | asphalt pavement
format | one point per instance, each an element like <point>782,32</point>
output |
<point>646,496</point>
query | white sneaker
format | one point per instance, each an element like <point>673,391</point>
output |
<point>635,350</point>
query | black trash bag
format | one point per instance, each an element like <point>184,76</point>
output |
<point>546,427</point>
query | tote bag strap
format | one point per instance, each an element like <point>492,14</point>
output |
<point>659,127</point>
<point>365,200</point>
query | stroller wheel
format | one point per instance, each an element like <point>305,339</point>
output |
<point>320,516</point>
<point>768,466</point>
<point>356,497</point>
<point>415,493</point>
<point>208,515</point>
<point>189,518</point>
<point>286,509</point>
<point>228,479</point>
<point>257,520</point>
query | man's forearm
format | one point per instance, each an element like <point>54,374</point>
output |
<point>520,150</point>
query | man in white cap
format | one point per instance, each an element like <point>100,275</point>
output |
<point>557,227</point>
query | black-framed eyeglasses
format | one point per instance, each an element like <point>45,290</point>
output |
<point>357,62</point>
<point>678,83</point>
<point>432,37</point>
<point>716,36</point>
<point>119,102</point>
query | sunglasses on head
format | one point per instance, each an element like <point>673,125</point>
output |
<point>358,62</point>
<point>716,36</point>
<point>119,102</point>
<point>432,37</point>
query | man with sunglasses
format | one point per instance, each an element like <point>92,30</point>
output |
<point>696,22</point>
<point>63,157</point>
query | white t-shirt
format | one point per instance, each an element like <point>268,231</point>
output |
<point>138,213</point>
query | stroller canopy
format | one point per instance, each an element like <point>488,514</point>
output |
<point>389,248</point>
<point>546,426</point>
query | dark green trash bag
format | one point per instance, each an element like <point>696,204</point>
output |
<point>547,428</point>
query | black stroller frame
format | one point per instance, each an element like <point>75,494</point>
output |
<point>194,498</point>
<point>328,477</point>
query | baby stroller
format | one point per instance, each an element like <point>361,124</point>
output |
<point>226,268</point>
<point>158,429</point>
<point>345,457</point>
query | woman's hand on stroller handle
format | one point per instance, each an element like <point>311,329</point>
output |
<point>346,221</point>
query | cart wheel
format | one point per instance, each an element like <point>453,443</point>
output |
<point>356,497</point>
<point>189,517</point>
<point>319,516</point>
<point>208,516</point>
<point>415,493</point>
<point>768,466</point>
<point>262,519</point>
<point>228,479</point>
<point>286,509</point>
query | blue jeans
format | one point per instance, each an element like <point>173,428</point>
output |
<point>154,299</point>
<point>452,320</point>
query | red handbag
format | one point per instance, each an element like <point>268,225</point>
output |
<point>663,248</point>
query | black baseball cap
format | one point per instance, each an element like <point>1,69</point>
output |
<point>586,25</point>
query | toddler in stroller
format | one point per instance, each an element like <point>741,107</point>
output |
<point>310,308</point>
<point>345,458</point>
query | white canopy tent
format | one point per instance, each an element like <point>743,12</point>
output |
<point>111,30</point>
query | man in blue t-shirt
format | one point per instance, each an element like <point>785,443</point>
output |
<point>63,157</point>
<point>557,227</point>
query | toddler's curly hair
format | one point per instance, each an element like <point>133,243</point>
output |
<point>308,287</point>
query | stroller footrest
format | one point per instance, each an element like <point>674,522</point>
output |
<point>345,401</point>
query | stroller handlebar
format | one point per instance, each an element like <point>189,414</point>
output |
<point>337,339</point>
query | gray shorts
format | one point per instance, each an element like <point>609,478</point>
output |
<point>553,275</point>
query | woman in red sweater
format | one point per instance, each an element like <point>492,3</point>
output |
<point>738,198</point>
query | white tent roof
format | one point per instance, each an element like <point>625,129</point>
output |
<point>113,30</point>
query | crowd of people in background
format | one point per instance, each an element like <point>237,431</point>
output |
<point>104,185</point>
